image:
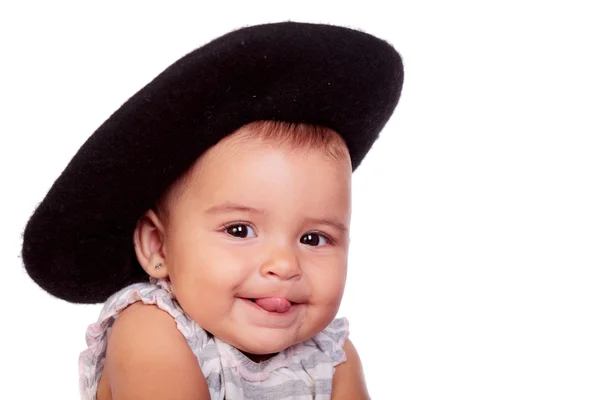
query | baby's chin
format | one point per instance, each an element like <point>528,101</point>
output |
<point>264,343</point>
<point>260,340</point>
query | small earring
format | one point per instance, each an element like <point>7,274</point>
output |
<point>157,266</point>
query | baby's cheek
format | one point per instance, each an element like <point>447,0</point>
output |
<point>328,289</point>
<point>206,305</point>
<point>194,291</point>
<point>326,297</point>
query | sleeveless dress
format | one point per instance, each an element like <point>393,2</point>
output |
<point>300,372</point>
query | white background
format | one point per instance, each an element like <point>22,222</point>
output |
<point>474,263</point>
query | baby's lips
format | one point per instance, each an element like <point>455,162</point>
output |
<point>274,304</point>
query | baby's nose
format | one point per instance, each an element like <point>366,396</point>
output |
<point>283,265</point>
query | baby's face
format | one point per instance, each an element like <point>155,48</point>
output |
<point>257,247</point>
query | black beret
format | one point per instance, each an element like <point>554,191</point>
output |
<point>78,244</point>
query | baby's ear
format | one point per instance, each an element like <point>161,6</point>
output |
<point>148,240</point>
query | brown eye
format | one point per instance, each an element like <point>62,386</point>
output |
<point>313,239</point>
<point>239,230</point>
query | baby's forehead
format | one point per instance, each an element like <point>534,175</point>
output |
<point>302,142</point>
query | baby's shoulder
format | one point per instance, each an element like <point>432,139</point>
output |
<point>142,316</point>
<point>148,306</point>
<point>141,334</point>
<point>144,328</point>
<point>143,331</point>
<point>146,355</point>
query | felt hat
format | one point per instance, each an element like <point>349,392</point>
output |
<point>78,244</point>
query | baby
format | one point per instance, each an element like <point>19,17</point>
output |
<point>229,281</point>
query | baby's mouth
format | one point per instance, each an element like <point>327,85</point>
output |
<point>273,304</point>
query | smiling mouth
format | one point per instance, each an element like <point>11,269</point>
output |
<point>254,301</point>
<point>277,305</point>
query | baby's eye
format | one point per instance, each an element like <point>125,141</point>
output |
<point>312,239</point>
<point>239,230</point>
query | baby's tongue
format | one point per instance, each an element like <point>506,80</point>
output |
<point>274,304</point>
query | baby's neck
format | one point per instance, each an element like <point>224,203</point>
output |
<point>257,358</point>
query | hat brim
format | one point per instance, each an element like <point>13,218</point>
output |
<point>78,243</point>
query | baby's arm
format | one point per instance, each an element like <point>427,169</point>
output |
<point>148,358</point>
<point>348,379</point>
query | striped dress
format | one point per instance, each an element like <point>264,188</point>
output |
<point>302,371</point>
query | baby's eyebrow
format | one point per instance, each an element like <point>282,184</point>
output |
<point>232,207</point>
<point>331,222</point>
